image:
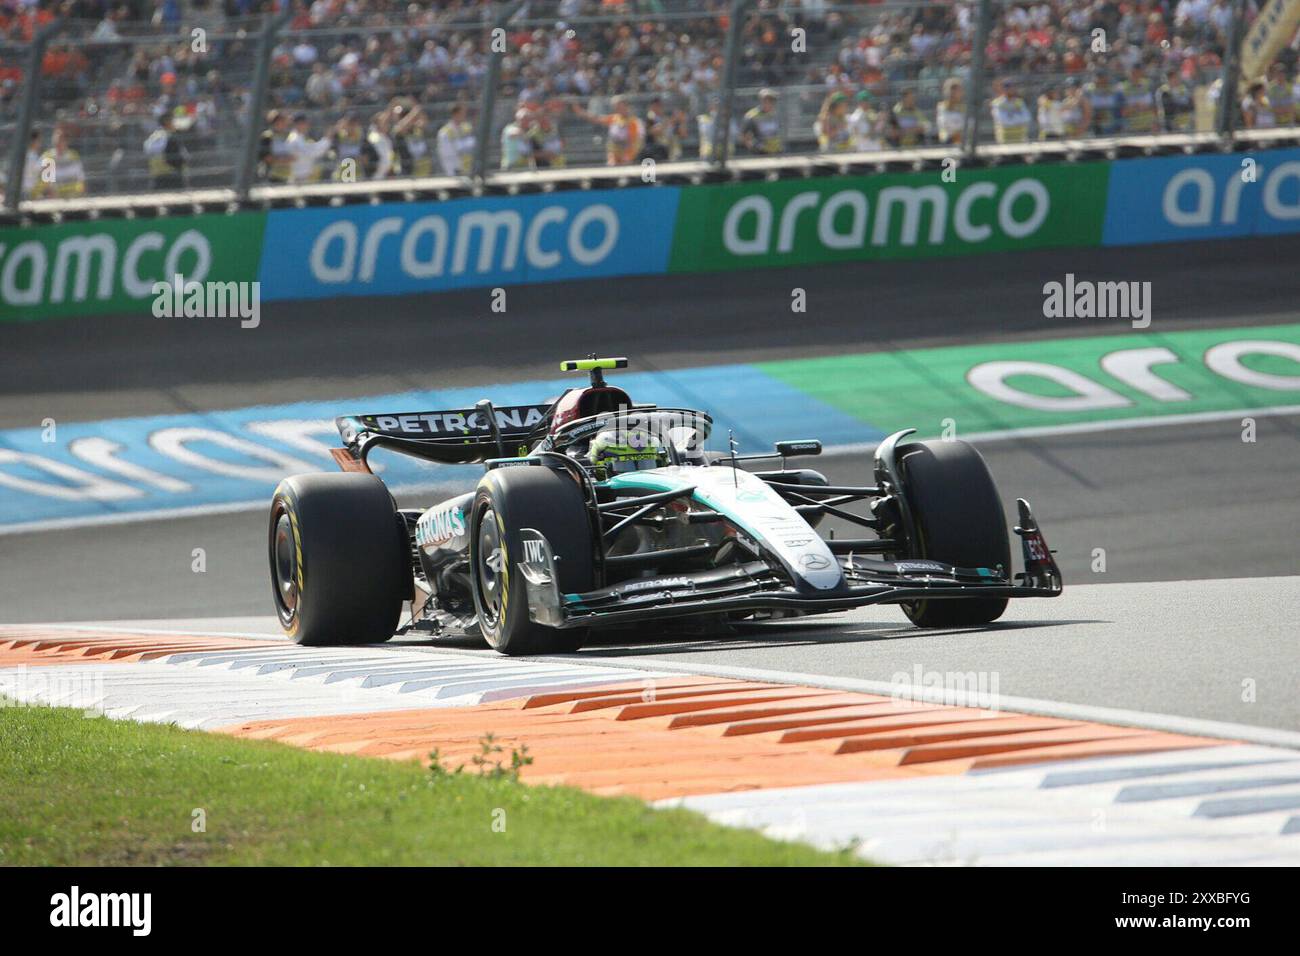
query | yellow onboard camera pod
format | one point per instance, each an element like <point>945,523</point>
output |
<point>591,364</point>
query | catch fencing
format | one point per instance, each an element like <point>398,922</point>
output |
<point>552,90</point>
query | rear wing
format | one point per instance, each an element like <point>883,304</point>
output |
<point>456,436</point>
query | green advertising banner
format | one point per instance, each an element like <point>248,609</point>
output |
<point>110,265</point>
<point>888,216</point>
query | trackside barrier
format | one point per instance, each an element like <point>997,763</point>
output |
<point>107,266</point>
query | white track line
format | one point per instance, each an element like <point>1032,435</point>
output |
<point>166,632</point>
<point>1086,428</point>
<point>189,511</point>
<point>132,517</point>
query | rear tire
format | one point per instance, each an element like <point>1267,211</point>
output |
<point>959,521</point>
<point>550,502</point>
<point>340,559</point>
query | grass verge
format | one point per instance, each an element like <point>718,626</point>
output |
<point>93,791</point>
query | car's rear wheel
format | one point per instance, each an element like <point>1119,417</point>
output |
<point>547,501</point>
<point>340,559</point>
<point>959,520</point>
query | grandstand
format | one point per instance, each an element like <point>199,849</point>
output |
<point>379,79</point>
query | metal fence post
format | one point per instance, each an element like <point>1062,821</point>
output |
<point>491,82</point>
<point>1225,117</point>
<point>975,95</point>
<point>726,108</point>
<point>26,112</point>
<point>257,101</point>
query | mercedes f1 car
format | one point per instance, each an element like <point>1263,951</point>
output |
<point>596,511</point>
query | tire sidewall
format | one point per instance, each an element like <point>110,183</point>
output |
<point>508,620</point>
<point>283,504</point>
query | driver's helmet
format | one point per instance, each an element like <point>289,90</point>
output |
<point>614,451</point>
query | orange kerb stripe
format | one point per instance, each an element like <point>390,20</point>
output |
<point>717,736</point>
<point>29,645</point>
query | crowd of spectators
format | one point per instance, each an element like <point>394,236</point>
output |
<point>1059,68</point>
<point>122,69</point>
<point>559,72</point>
<point>394,86</point>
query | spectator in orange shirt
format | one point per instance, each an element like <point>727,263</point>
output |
<point>10,71</point>
<point>626,132</point>
<point>30,20</point>
<point>1074,61</point>
<point>64,65</point>
<point>1157,31</point>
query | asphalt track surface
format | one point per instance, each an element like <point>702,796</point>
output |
<point>1167,503</point>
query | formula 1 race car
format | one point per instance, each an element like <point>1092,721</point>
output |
<point>596,511</point>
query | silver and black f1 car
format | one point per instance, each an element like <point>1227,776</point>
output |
<point>596,511</point>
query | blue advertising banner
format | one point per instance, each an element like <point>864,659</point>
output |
<point>1181,198</point>
<point>467,243</point>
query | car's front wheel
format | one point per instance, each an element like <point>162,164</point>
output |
<point>551,503</point>
<point>959,520</point>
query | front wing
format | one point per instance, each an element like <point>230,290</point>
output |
<point>757,586</point>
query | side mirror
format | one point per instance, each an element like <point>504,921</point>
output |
<point>795,448</point>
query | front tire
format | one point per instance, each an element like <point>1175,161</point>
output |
<point>959,521</point>
<point>340,560</point>
<point>547,501</point>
